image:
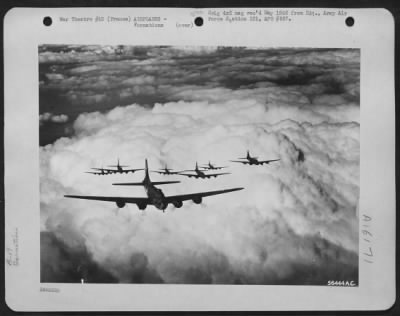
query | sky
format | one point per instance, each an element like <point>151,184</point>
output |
<point>295,222</point>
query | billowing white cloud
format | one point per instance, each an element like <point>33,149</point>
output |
<point>294,223</point>
<point>126,72</point>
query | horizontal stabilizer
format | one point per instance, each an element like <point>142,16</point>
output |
<point>141,183</point>
<point>129,183</point>
<point>164,182</point>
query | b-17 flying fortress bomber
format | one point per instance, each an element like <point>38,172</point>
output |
<point>119,169</point>
<point>155,196</point>
<point>253,160</point>
<point>201,174</point>
<point>210,166</point>
<point>166,171</point>
<point>101,171</point>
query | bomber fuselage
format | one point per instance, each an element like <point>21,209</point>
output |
<point>155,195</point>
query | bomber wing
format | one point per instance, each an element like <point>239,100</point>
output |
<point>97,173</point>
<point>116,199</point>
<point>205,176</point>
<point>124,170</point>
<point>189,175</point>
<point>167,173</point>
<point>266,161</point>
<point>216,174</point>
<point>131,170</point>
<point>107,171</point>
<point>160,172</point>
<point>243,162</point>
<point>142,183</point>
<point>186,197</point>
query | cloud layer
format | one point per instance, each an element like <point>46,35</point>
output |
<point>294,223</point>
<point>76,79</point>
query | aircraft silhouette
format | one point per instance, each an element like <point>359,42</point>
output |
<point>166,171</point>
<point>200,174</point>
<point>120,169</point>
<point>155,196</point>
<point>102,172</point>
<point>253,160</point>
<point>210,166</point>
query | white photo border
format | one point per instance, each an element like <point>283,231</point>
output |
<point>373,34</point>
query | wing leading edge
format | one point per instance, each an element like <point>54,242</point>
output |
<point>115,199</point>
<point>186,197</point>
<point>267,161</point>
<point>146,201</point>
<point>243,162</point>
<point>205,176</point>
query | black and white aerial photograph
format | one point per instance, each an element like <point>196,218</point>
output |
<point>199,165</point>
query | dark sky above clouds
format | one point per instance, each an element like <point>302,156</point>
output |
<point>296,221</point>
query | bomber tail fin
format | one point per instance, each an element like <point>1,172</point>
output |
<point>147,169</point>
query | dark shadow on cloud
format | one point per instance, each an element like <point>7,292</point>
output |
<point>141,272</point>
<point>331,262</point>
<point>323,261</point>
<point>301,157</point>
<point>60,263</point>
<point>327,261</point>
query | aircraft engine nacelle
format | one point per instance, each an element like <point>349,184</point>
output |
<point>120,204</point>
<point>142,206</point>
<point>197,200</point>
<point>177,204</point>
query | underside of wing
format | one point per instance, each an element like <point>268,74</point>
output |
<point>109,170</point>
<point>216,174</point>
<point>267,161</point>
<point>243,162</point>
<point>116,199</point>
<point>131,170</point>
<point>160,172</point>
<point>196,197</point>
<point>189,175</point>
<point>100,169</point>
<point>141,183</point>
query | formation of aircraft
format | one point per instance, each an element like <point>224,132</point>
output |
<point>197,172</point>
<point>200,174</point>
<point>119,169</point>
<point>248,160</point>
<point>155,196</point>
